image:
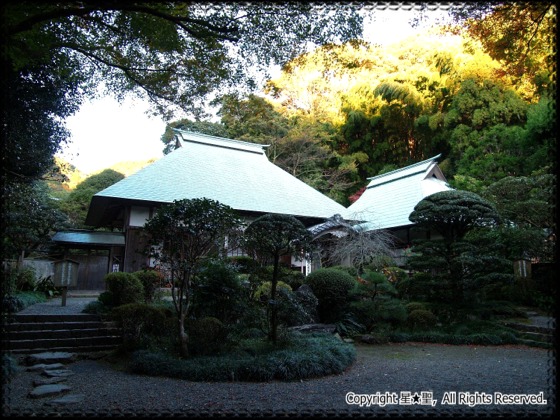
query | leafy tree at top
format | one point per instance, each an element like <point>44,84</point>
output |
<point>518,34</point>
<point>54,55</point>
<point>29,218</point>
<point>526,204</point>
<point>177,52</point>
<point>485,124</point>
<point>76,204</point>
<point>269,237</point>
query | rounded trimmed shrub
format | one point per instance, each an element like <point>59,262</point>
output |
<point>421,319</point>
<point>331,287</point>
<point>125,288</point>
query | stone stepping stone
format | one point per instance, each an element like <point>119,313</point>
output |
<point>48,390</point>
<point>67,399</point>
<point>43,366</point>
<point>50,357</point>
<point>50,381</point>
<point>57,373</point>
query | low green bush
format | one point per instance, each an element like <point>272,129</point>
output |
<point>301,357</point>
<point>421,319</point>
<point>207,336</point>
<point>263,291</point>
<point>151,281</point>
<point>144,326</point>
<point>244,264</point>
<point>331,287</point>
<point>25,279</point>
<point>21,300</point>
<point>218,292</point>
<point>125,287</point>
<point>96,308</point>
<point>350,270</point>
<point>374,300</point>
<point>107,299</point>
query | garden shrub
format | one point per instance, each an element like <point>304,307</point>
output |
<point>291,312</point>
<point>25,279</point>
<point>208,336</point>
<point>421,319</point>
<point>422,287</point>
<point>308,301</point>
<point>151,281</point>
<point>347,269</point>
<point>243,264</point>
<point>144,326</point>
<point>413,306</point>
<point>125,287</point>
<point>263,291</point>
<point>218,292</point>
<point>106,298</point>
<point>97,308</point>
<point>46,286</point>
<point>301,357</point>
<point>373,301</point>
<point>293,278</point>
<point>21,300</point>
<point>11,304</point>
<point>331,287</point>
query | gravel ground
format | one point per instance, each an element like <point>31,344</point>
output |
<point>475,373</point>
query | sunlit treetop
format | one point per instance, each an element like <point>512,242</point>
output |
<point>173,53</point>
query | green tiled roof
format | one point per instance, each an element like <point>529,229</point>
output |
<point>232,172</point>
<point>390,198</point>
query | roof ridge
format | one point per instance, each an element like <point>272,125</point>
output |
<point>405,168</point>
<point>197,137</point>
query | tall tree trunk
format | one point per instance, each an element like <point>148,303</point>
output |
<point>273,334</point>
<point>183,336</point>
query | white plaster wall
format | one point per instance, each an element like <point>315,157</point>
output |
<point>139,216</point>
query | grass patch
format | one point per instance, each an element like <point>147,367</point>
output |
<point>21,300</point>
<point>298,357</point>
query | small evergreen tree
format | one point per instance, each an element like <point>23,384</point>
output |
<point>182,234</point>
<point>270,237</point>
<point>456,263</point>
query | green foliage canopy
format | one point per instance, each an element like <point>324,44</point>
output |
<point>454,213</point>
<point>76,204</point>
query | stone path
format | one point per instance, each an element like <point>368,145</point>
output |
<point>53,370</point>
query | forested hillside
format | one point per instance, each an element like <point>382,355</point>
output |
<point>343,113</point>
